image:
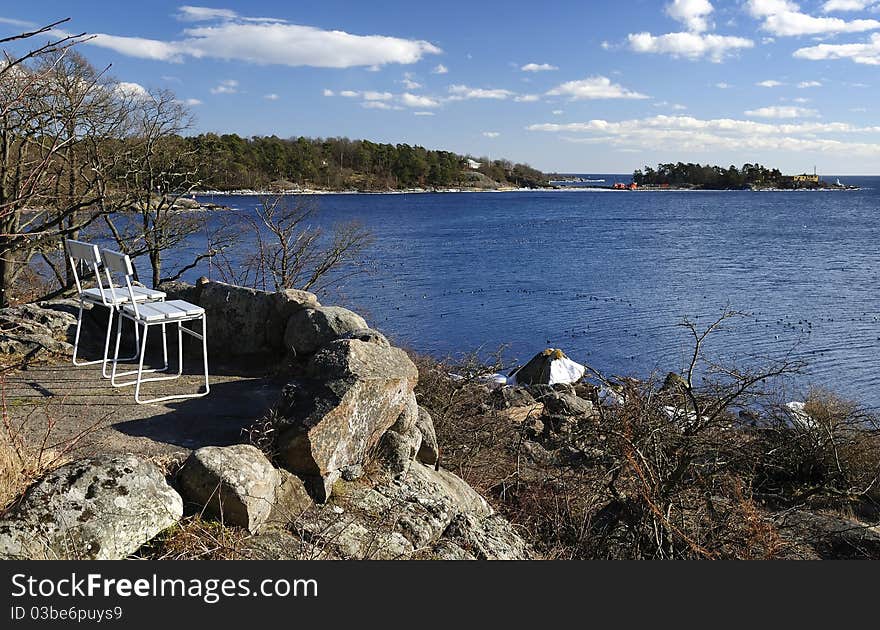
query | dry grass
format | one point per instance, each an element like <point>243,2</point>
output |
<point>194,538</point>
<point>637,483</point>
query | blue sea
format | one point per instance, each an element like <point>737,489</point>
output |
<point>610,276</point>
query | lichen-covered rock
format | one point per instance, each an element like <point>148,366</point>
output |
<point>354,393</point>
<point>490,538</point>
<point>30,329</point>
<point>98,508</point>
<point>398,450</point>
<point>410,518</point>
<point>309,329</point>
<point>284,304</point>
<point>429,450</point>
<point>369,335</point>
<point>236,318</point>
<point>566,405</point>
<point>236,484</point>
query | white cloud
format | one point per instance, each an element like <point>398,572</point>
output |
<point>491,134</point>
<point>204,14</point>
<point>846,5</point>
<point>686,133</point>
<point>867,53</point>
<point>723,86</point>
<point>378,96</point>
<point>271,97</point>
<point>689,45</point>
<point>440,69</point>
<point>192,102</point>
<point>538,67</point>
<point>527,98</point>
<point>229,86</point>
<point>770,83</point>
<point>378,105</point>
<point>782,111</point>
<point>592,88</point>
<point>134,91</point>
<point>801,100</point>
<point>18,23</point>
<point>463,93</point>
<point>327,92</point>
<point>809,84</point>
<point>674,106</point>
<point>267,41</point>
<point>785,18</point>
<point>423,113</point>
<point>694,14</point>
<point>417,101</point>
<point>557,112</point>
<point>349,94</point>
<point>409,84</point>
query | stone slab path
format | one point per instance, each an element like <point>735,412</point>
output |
<point>64,402</point>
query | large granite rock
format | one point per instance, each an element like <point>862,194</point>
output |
<point>243,321</point>
<point>411,517</point>
<point>429,450</point>
<point>238,485</point>
<point>44,327</point>
<point>98,508</point>
<point>309,329</point>
<point>354,392</point>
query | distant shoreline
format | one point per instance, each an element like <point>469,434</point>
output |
<point>419,191</point>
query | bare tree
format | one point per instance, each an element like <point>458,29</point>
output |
<point>33,137</point>
<point>292,253</point>
<point>155,170</point>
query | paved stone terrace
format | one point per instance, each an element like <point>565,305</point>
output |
<point>77,400</point>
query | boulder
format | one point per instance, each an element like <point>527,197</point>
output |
<point>566,405</point>
<point>490,538</point>
<point>511,397</point>
<point>309,329</point>
<point>237,319</point>
<point>30,329</point>
<point>369,335</point>
<point>101,508</point>
<point>429,450</point>
<point>236,484</point>
<point>398,450</point>
<point>831,536</point>
<point>398,519</point>
<point>284,304</point>
<point>354,392</point>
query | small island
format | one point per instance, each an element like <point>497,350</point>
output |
<point>681,176</point>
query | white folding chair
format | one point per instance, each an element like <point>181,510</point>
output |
<point>143,315</point>
<point>87,255</point>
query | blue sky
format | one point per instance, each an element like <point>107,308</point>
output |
<point>567,86</point>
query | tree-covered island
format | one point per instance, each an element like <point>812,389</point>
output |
<point>706,177</point>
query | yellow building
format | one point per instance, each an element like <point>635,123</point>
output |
<point>806,179</point>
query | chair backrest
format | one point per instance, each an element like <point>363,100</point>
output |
<point>80,254</point>
<point>119,263</point>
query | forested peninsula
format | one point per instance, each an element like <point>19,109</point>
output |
<point>229,162</point>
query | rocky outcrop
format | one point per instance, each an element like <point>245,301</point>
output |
<point>352,393</point>
<point>409,517</point>
<point>44,327</point>
<point>312,328</point>
<point>239,486</point>
<point>243,321</point>
<point>429,450</point>
<point>98,508</point>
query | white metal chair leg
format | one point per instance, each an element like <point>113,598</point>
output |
<point>140,380</point>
